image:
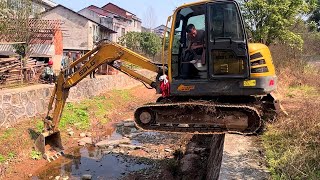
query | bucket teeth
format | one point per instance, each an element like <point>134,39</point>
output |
<point>55,156</point>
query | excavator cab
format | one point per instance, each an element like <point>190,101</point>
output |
<point>224,55</point>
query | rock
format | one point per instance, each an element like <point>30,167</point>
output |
<point>86,140</point>
<point>189,163</point>
<point>199,150</point>
<point>71,133</point>
<point>31,109</point>
<point>133,130</point>
<point>119,124</point>
<point>190,147</point>
<point>86,177</point>
<point>168,150</point>
<point>128,136</point>
<point>88,134</point>
<point>65,178</point>
<point>7,98</point>
<point>183,125</point>
<point>107,143</point>
<point>57,178</point>
<point>82,134</point>
<point>110,147</point>
<point>106,152</point>
<point>69,129</point>
<point>129,146</point>
<point>30,175</point>
<point>129,124</point>
<point>81,143</point>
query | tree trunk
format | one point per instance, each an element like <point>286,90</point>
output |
<point>215,157</point>
<point>25,75</point>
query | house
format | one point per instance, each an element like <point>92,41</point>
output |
<point>144,29</point>
<point>80,34</point>
<point>42,45</point>
<point>160,31</point>
<point>38,6</point>
<point>134,23</point>
<point>113,17</point>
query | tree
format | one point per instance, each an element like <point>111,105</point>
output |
<point>15,19</point>
<point>315,17</point>
<point>270,20</point>
<point>150,18</point>
<point>131,40</point>
<point>148,43</point>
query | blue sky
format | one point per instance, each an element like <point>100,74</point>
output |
<point>162,8</point>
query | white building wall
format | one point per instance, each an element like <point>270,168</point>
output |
<point>76,29</point>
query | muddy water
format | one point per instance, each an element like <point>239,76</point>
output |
<point>99,163</point>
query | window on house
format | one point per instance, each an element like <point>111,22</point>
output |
<point>123,32</point>
<point>95,33</point>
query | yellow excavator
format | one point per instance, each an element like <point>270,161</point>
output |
<point>225,86</point>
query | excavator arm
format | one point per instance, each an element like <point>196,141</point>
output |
<point>49,142</point>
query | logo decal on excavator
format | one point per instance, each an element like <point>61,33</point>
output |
<point>87,67</point>
<point>185,88</point>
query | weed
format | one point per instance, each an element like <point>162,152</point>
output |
<point>2,158</point>
<point>124,94</point>
<point>305,89</point>
<point>39,126</point>
<point>36,155</point>
<point>7,133</point>
<point>292,144</point>
<point>11,155</point>
<point>104,121</point>
<point>76,116</point>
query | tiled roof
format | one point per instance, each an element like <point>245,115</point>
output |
<point>120,11</point>
<point>98,10</point>
<point>110,30</point>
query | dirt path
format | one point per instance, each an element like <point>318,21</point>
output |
<point>242,158</point>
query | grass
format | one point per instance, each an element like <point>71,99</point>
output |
<point>11,155</point>
<point>7,134</point>
<point>39,126</point>
<point>75,115</point>
<point>36,155</point>
<point>79,115</point>
<point>292,144</point>
<point>123,94</point>
<point>2,159</point>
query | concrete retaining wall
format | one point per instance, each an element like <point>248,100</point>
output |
<point>28,102</point>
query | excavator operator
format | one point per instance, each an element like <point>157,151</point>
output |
<point>196,40</point>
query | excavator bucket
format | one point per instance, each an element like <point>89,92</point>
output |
<point>49,144</point>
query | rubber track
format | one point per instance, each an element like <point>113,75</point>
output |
<point>203,129</point>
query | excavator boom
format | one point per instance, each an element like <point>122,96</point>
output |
<point>49,142</point>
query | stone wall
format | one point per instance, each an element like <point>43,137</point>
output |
<point>28,102</point>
